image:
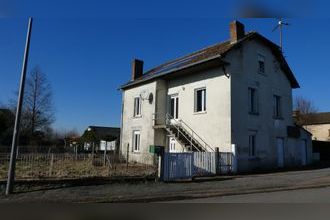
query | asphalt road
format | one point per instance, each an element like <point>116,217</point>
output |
<point>313,195</point>
<point>218,186</point>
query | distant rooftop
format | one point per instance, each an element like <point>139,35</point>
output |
<point>317,118</point>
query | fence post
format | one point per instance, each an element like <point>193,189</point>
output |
<point>217,161</point>
<point>105,153</point>
<point>127,154</point>
<point>51,165</point>
<point>234,159</point>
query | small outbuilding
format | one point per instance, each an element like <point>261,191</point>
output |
<point>98,138</point>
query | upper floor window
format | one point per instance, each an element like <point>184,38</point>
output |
<point>277,106</point>
<point>252,145</point>
<point>261,63</point>
<point>136,141</point>
<point>137,106</point>
<point>200,100</point>
<point>253,101</point>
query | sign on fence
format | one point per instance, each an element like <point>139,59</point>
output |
<point>178,166</point>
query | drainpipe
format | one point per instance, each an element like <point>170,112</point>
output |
<point>234,162</point>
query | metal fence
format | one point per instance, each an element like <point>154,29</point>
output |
<point>178,166</point>
<point>70,165</point>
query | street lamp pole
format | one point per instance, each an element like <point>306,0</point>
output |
<point>12,163</point>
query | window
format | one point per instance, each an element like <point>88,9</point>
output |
<point>277,106</point>
<point>174,106</point>
<point>136,141</point>
<point>172,144</point>
<point>200,100</point>
<point>253,101</point>
<point>137,106</point>
<point>252,145</point>
<point>261,63</point>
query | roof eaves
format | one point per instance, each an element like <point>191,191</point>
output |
<point>151,77</point>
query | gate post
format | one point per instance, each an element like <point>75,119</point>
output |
<point>217,161</point>
<point>234,159</point>
<point>161,163</point>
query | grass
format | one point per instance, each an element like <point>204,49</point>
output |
<point>65,169</point>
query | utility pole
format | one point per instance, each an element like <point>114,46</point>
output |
<point>12,163</point>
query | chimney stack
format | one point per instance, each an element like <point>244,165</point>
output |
<point>137,69</point>
<point>237,31</point>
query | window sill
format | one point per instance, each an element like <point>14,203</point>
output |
<point>199,113</point>
<point>137,116</point>
<point>254,113</point>
<point>253,158</point>
<point>136,152</point>
<point>262,73</point>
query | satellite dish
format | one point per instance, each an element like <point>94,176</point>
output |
<point>144,95</point>
<point>151,98</point>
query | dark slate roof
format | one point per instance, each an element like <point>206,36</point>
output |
<point>317,118</point>
<point>106,132</point>
<point>217,51</point>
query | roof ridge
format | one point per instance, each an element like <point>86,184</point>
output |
<point>186,56</point>
<point>198,51</point>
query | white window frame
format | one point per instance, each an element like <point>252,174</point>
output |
<point>253,104</point>
<point>277,106</point>
<point>137,109</point>
<point>136,141</point>
<point>175,113</point>
<point>252,145</point>
<point>172,144</point>
<point>261,58</point>
<point>203,89</point>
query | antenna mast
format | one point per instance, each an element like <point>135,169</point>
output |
<point>280,26</point>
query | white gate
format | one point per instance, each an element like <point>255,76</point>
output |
<point>178,166</point>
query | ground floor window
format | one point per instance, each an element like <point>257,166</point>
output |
<point>252,145</point>
<point>172,144</point>
<point>136,141</point>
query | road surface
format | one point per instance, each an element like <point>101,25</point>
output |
<point>313,195</point>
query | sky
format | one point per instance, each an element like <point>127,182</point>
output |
<point>86,49</point>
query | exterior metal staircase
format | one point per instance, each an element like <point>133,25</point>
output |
<point>185,135</point>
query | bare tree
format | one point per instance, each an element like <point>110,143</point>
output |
<point>303,107</point>
<point>38,109</point>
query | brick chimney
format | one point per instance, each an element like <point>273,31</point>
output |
<point>237,31</point>
<point>137,69</point>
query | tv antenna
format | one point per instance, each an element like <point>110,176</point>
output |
<point>280,25</point>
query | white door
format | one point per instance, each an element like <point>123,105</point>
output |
<point>303,148</point>
<point>174,106</point>
<point>280,152</point>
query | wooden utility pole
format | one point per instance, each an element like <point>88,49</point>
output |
<point>12,163</point>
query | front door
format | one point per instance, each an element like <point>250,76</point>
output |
<point>303,152</point>
<point>174,106</point>
<point>280,152</point>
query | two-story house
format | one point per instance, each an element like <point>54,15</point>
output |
<point>237,93</point>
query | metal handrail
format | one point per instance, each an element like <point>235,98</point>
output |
<point>168,119</point>
<point>195,134</point>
